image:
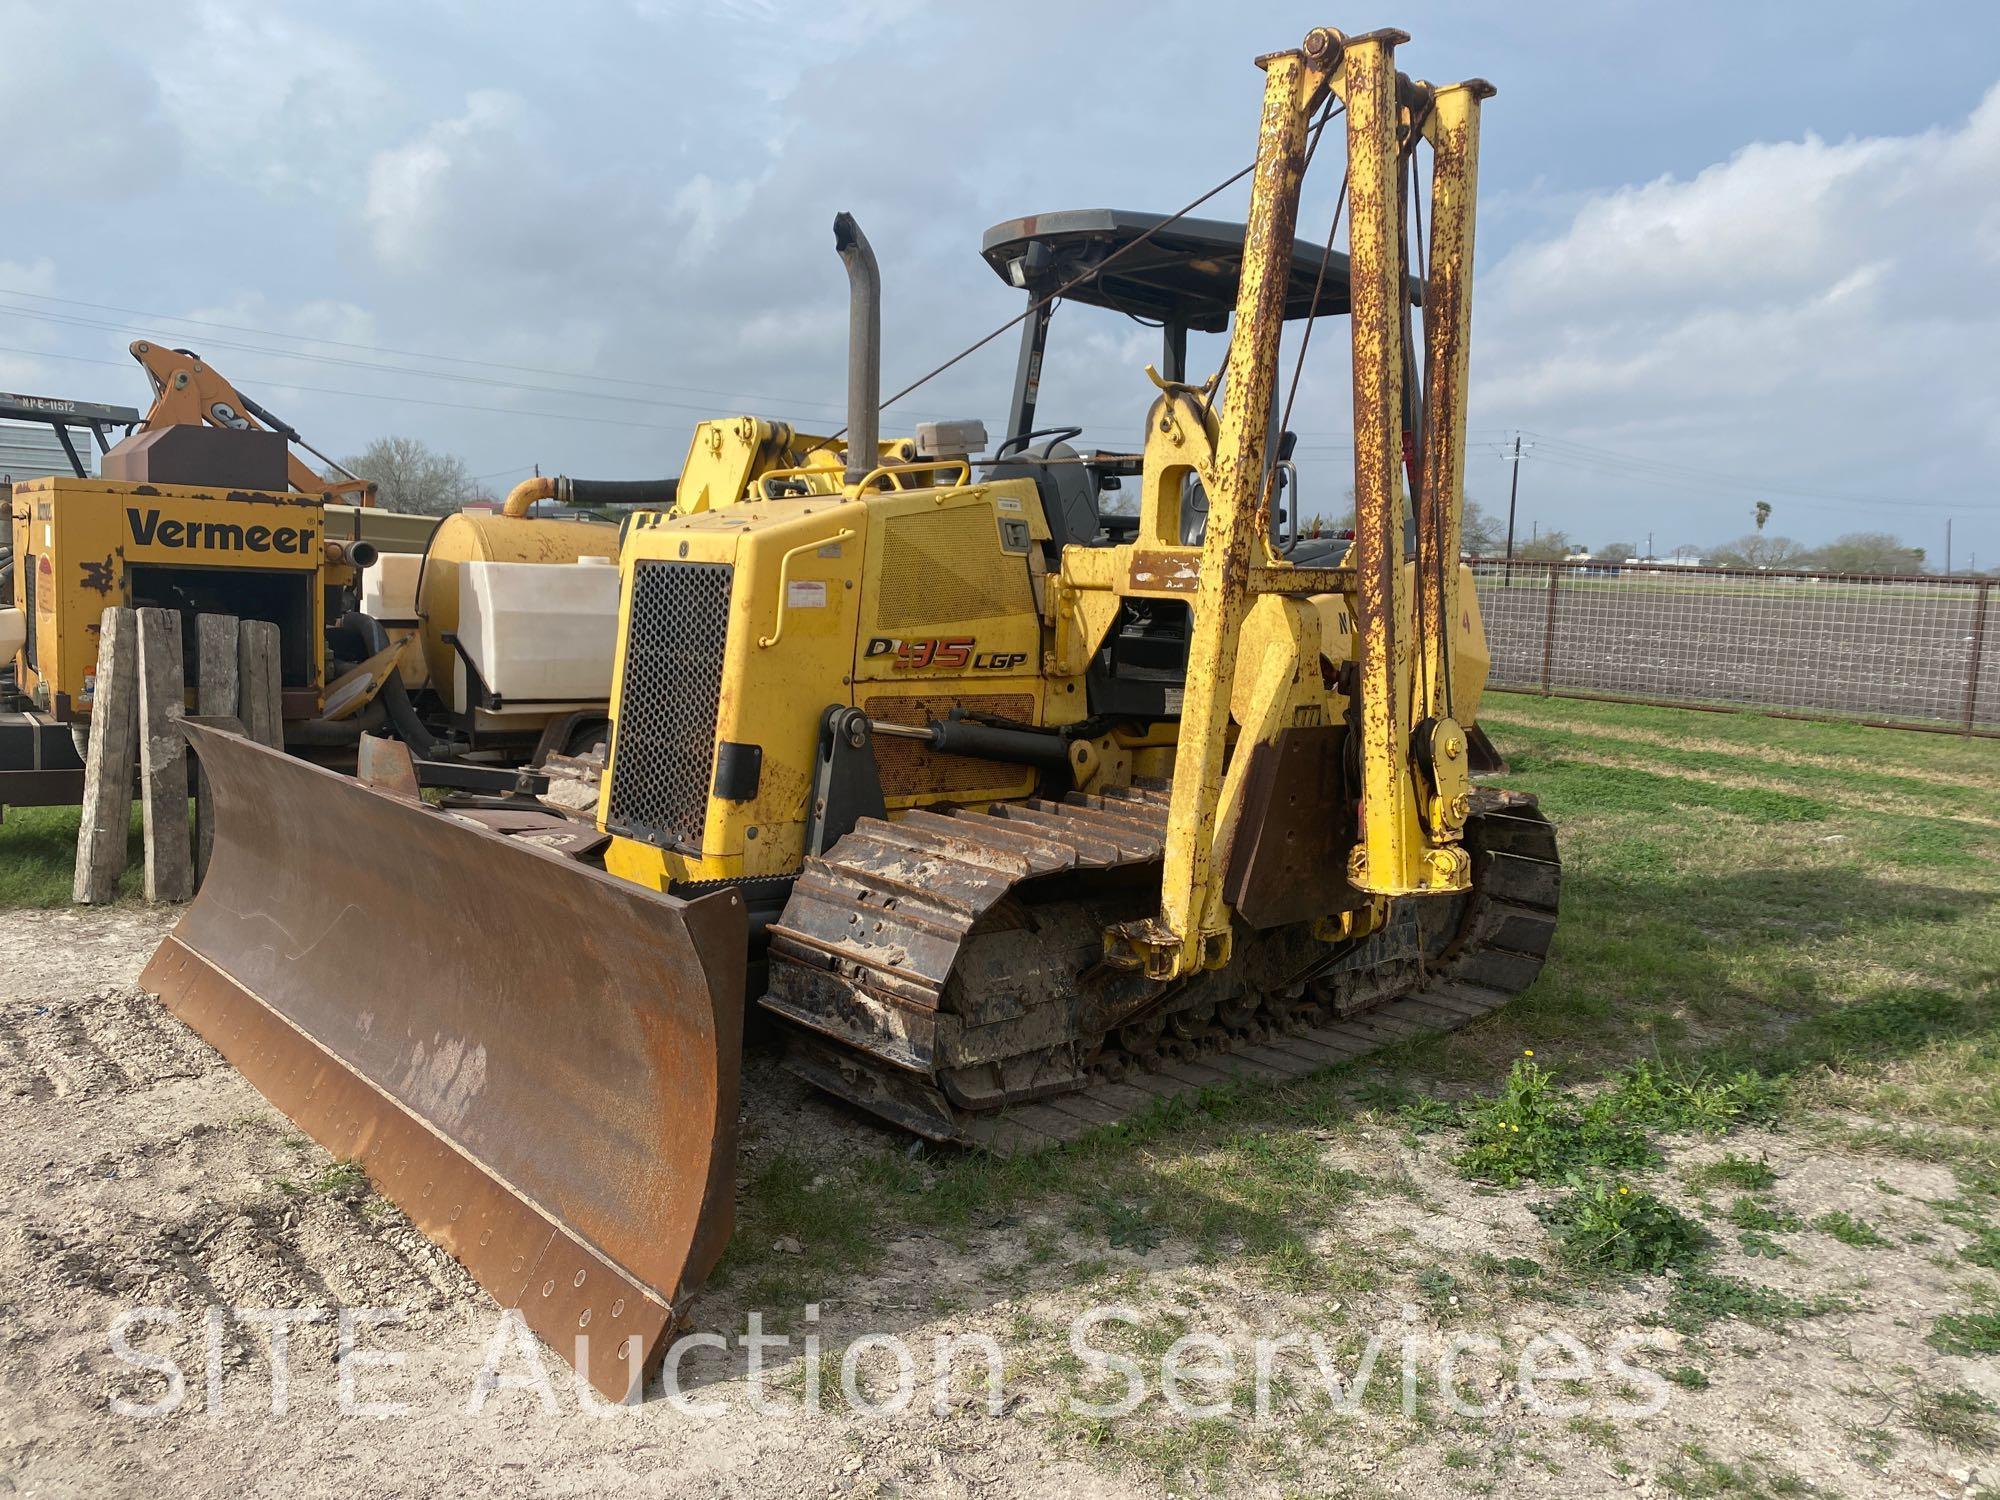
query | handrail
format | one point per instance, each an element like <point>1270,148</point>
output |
<point>880,471</point>
<point>785,579</point>
<point>890,471</point>
<point>801,471</point>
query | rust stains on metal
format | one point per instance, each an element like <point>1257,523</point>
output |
<point>98,576</point>
<point>1453,130</point>
<point>1382,644</point>
<point>557,1110</point>
<point>1164,572</point>
<point>910,767</point>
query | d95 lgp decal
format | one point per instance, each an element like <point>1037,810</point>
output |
<point>952,653</point>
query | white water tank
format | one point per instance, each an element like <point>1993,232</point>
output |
<point>389,595</point>
<point>13,631</point>
<point>389,587</point>
<point>541,635</point>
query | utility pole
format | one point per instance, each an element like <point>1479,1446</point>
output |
<point>1513,493</point>
<point>1649,546</point>
<point>1947,546</point>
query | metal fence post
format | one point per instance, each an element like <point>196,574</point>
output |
<point>1978,646</point>
<point>1549,632</point>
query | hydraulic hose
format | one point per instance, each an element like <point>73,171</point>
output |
<point>589,492</point>
<point>393,697</point>
<point>326,734</point>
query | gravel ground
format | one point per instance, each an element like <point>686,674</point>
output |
<point>140,1172</point>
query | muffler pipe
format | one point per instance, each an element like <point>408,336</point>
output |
<point>864,346</point>
<point>352,554</point>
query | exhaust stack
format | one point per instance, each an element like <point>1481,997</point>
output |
<point>864,345</point>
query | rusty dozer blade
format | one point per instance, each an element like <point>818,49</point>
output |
<point>536,1061</point>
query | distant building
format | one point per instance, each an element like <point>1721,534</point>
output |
<point>31,450</point>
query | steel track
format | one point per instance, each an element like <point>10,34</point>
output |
<point>942,971</point>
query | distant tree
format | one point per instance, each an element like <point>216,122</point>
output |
<point>1550,546</point>
<point>1868,552</point>
<point>1763,513</point>
<point>1617,551</point>
<point>1479,533</point>
<point>1758,551</point>
<point>413,477</point>
<point>1686,551</point>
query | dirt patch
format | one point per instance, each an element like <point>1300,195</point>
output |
<point>140,1172</point>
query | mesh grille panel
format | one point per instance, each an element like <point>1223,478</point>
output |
<point>947,566</point>
<point>664,742</point>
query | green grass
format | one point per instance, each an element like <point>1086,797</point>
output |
<point>340,1179</point>
<point>1764,918</point>
<point>1849,1230</point>
<point>38,857</point>
<point>1607,1226</point>
<point>1975,1333</point>
<point>1748,1213</point>
<point>1956,1417</point>
<point>1700,1475</point>
<point>1732,1170</point>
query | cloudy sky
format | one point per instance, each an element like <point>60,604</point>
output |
<point>1726,252</point>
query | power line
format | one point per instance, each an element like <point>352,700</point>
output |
<point>452,359</point>
<point>316,390</point>
<point>1585,455</point>
<point>723,393</point>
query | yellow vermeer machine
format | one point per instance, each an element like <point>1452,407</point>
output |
<point>203,508</point>
<point>1018,813</point>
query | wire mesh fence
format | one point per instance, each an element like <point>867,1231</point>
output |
<point>1910,651</point>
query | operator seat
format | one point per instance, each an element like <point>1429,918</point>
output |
<point>1069,491</point>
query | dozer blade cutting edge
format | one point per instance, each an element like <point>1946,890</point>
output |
<point>536,1061</point>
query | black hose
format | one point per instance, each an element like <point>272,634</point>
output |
<point>402,713</point>
<point>322,734</point>
<point>588,492</point>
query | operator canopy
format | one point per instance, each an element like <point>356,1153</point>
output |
<point>1184,274</point>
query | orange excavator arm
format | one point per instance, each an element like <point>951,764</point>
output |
<point>190,392</point>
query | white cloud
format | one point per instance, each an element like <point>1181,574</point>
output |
<point>260,97</point>
<point>1801,312</point>
<point>79,118</point>
<point>415,189</point>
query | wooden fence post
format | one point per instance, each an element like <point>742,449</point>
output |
<point>163,778</point>
<point>215,698</point>
<point>257,683</point>
<point>107,775</point>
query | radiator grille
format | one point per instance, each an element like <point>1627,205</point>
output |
<point>945,567</point>
<point>663,746</point>
<point>27,566</point>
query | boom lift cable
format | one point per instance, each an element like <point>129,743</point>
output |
<point>1332,112</point>
<point>1082,276</point>
<point>1312,314</point>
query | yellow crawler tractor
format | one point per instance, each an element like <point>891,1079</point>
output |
<point>1019,813</point>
